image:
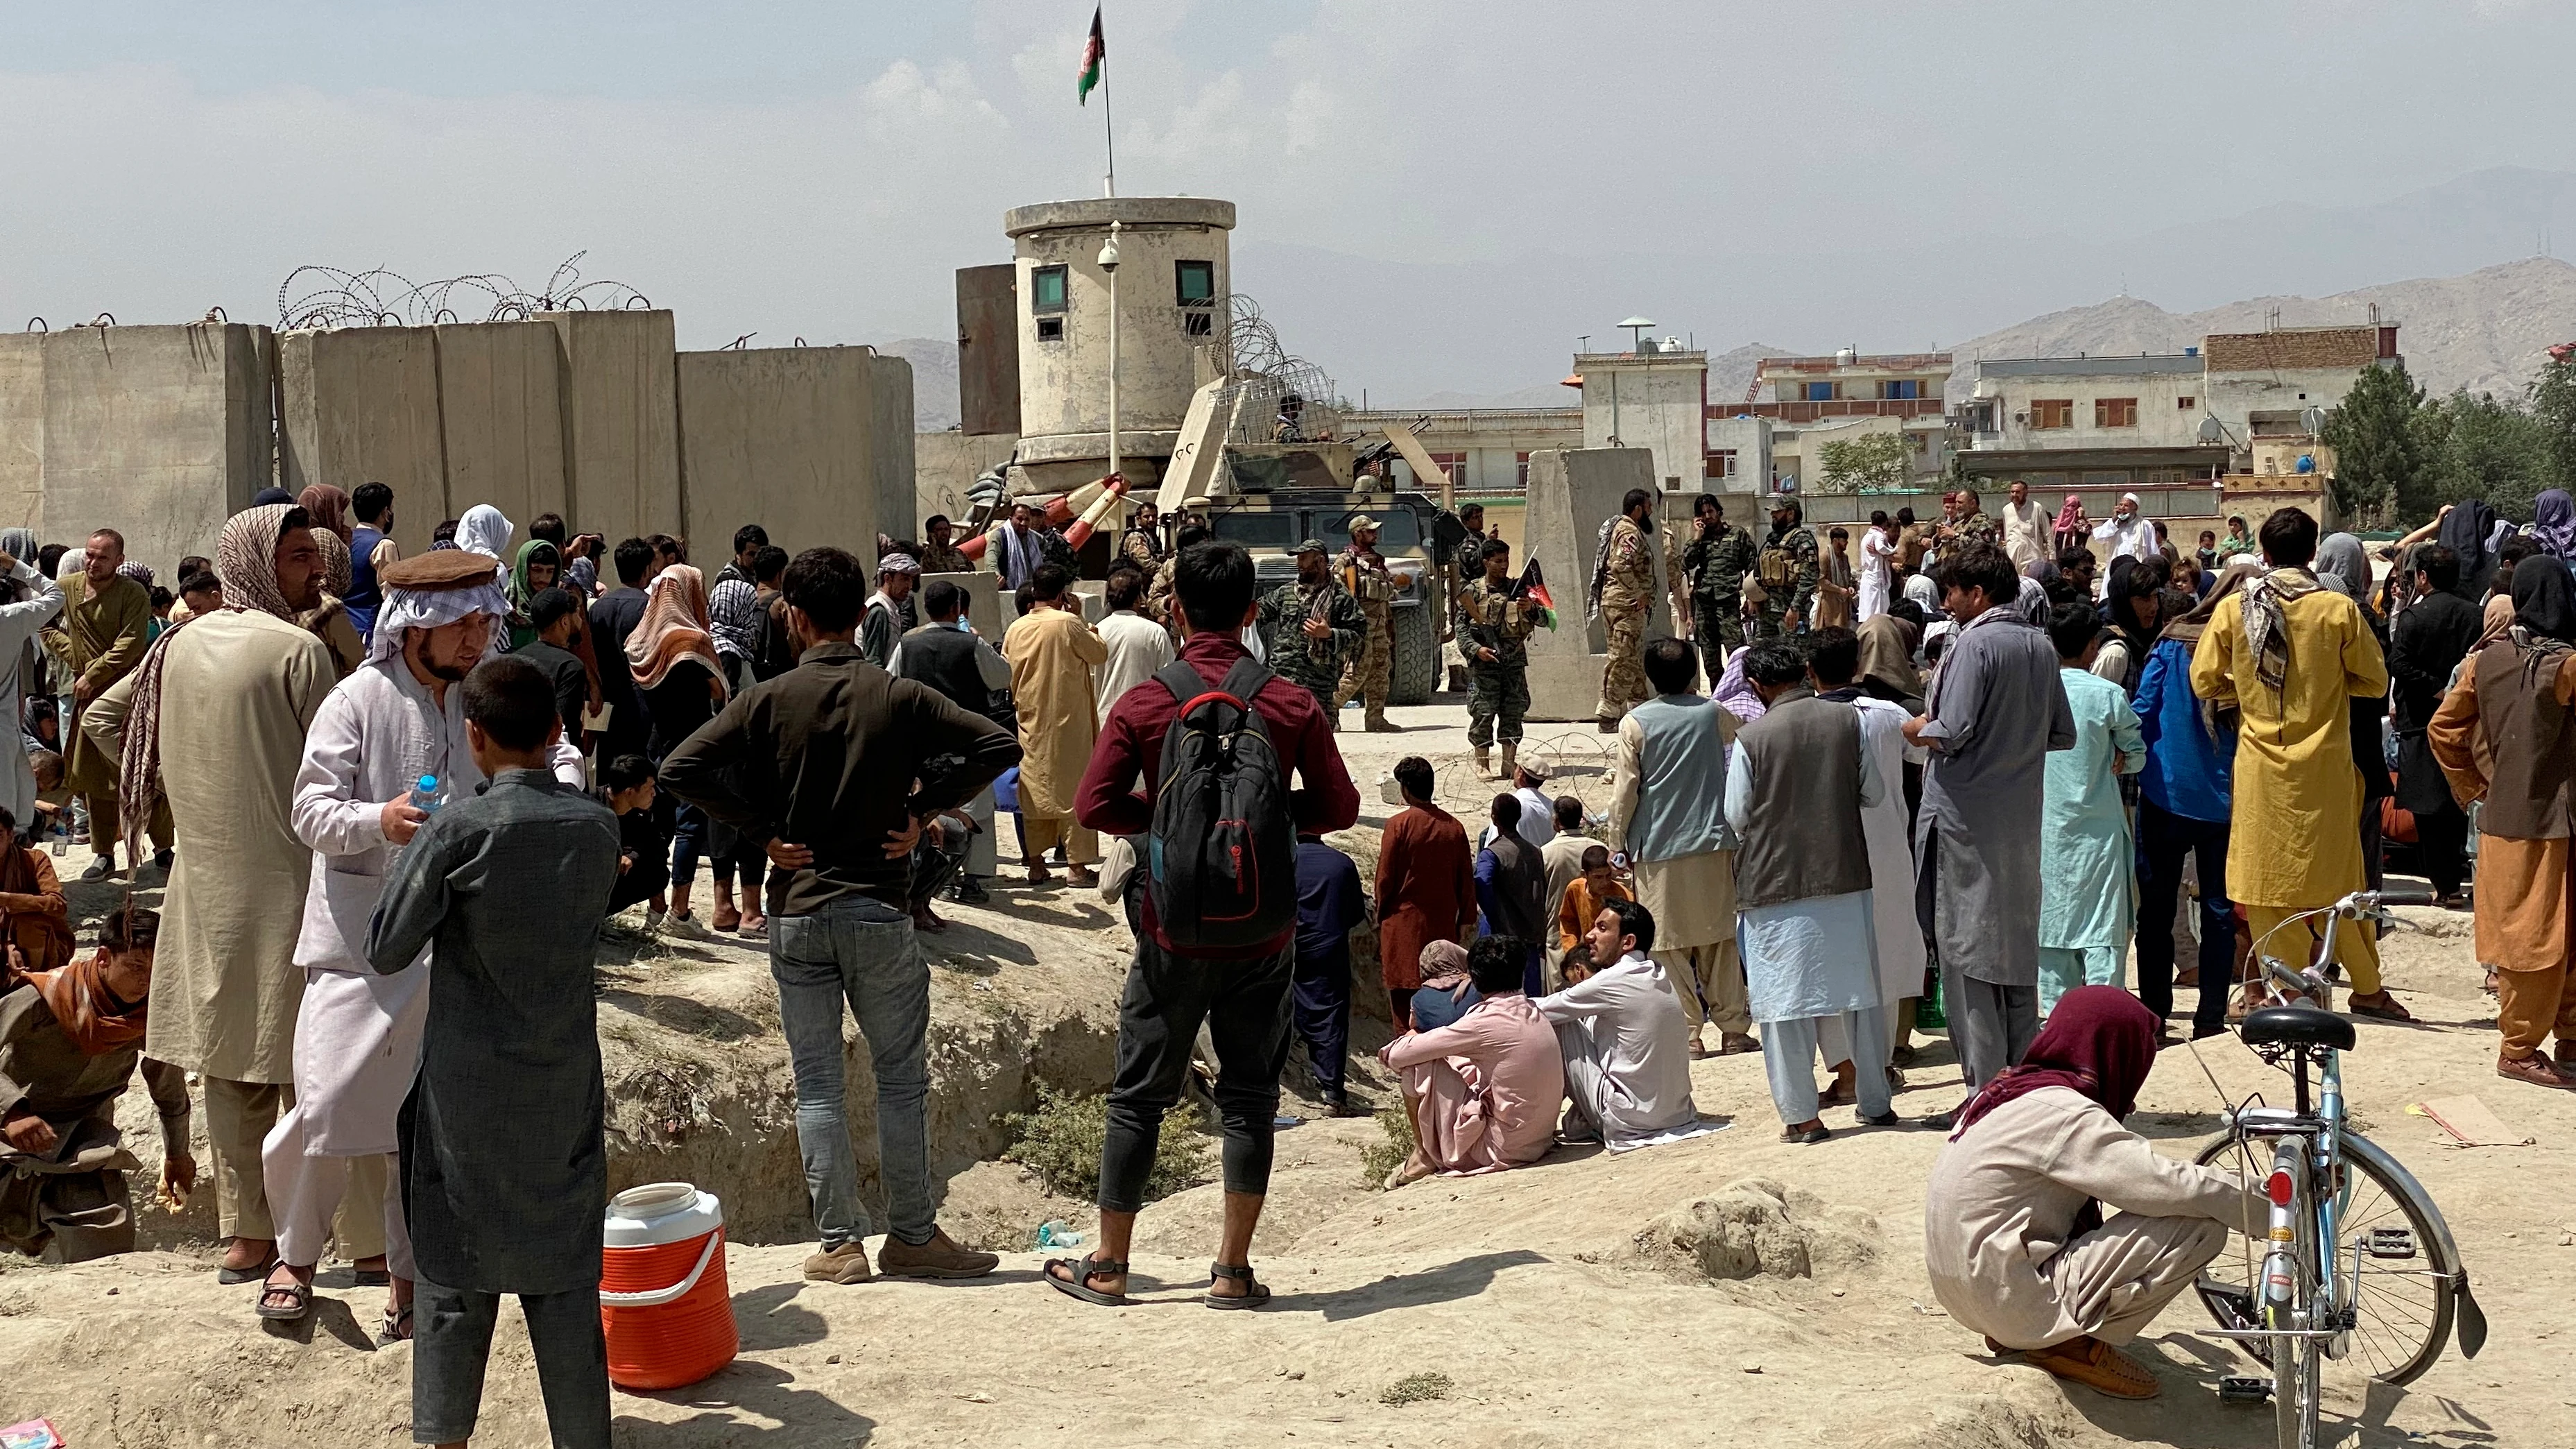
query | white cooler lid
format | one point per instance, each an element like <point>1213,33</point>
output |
<point>661,1212</point>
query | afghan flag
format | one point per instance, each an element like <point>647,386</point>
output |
<point>1532,585</point>
<point>1095,53</point>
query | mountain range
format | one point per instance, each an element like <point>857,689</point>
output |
<point>1499,333</point>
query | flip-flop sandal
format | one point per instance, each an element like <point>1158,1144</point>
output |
<point>1808,1138</point>
<point>1079,1284</point>
<point>396,1328</point>
<point>258,1273</point>
<point>1698,1051</point>
<point>1254,1293</point>
<point>2388,1009</point>
<point>296,1311</point>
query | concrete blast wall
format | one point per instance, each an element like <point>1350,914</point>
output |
<point>22,429</point>
<point>1572,492</point>
<point>501,419</point>
<point>160,432</point>
<point>617,374</point>
<point>796,439</point>
<point>362,405</point>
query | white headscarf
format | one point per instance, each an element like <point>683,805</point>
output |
<point>483,530</point>
<point>407,609</point>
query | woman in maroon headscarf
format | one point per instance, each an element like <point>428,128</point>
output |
<point>2014,1236</point>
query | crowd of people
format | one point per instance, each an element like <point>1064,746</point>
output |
<point>1963,773</point>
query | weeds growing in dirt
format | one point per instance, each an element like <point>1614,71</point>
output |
<point>1416,1389</point>
<point>1059,1144</point>
<point>1380,1158</point>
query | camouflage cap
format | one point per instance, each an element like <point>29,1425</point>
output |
<point>1363,524</point>
<point>1312,545</point>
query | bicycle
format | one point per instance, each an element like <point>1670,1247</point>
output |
<point>2357,1263</point>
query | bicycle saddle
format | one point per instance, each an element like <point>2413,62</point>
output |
<point>2297,1026</point>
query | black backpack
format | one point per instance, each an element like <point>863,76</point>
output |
<point>1221,858</point>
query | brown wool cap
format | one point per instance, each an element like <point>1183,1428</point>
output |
<point>438,571</point>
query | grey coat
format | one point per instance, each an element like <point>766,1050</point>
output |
<point>1995,711</point>
<point>504,1173</point>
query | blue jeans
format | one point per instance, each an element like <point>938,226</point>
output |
<point>862,950</point>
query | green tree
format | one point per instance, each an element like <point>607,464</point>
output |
<point>2493,450</point>
<point>1872,461</point>
<point>2379,457</point>
<point>2553,405</point>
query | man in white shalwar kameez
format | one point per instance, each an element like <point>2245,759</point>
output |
<point>1796,786</point>
<point>1833,666</point>
<point>36,603</point>
<point>396,719</point>
<point>1626,1046</point>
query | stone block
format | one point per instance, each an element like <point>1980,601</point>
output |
<point>621,422</point>
<point>500,387</point>
<point>362,405</point>
<point>785,437</point>
<point>22,429</point>
<point>987,607</point>
<point>162,432</point>
<point>890,454</point>
<point>1572,492</point>
<point>1565,686</point>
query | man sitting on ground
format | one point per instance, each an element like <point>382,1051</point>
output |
<point>2013,1235</point>
<point>1626,1047</point>
<point>1482,1093</point>
<point>643,835</point>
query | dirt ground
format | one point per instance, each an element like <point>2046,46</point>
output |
<point>1548,1297</point>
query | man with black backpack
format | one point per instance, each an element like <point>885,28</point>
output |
<point>1195,766</point>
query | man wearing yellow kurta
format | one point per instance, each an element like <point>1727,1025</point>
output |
<point>2291,656</point>
<point>1052,652</point>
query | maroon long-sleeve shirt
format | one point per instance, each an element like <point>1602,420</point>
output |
<point>1117,794</point>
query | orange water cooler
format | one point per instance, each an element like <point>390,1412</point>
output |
<point>662,1293</point>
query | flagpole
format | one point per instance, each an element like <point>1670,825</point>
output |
<point>1108,131</point>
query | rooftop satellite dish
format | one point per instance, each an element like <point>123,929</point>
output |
<point>2211,431</point>
<point>2314,420</point>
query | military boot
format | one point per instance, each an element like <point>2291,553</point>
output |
<point>1485,761</point>
<point>1378,724</point>
<point>1511,752</point>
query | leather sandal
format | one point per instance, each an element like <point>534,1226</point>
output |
<point>297,1293</point>
<point>2379,1006</point>
<point>1082,1271</point>
<point>2097,1366</point>
<point>1255,1293</point>
<point>2535,1070</point>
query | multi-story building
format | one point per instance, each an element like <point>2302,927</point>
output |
<point>1815,400</point>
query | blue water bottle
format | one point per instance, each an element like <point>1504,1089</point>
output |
<point>425,794</point>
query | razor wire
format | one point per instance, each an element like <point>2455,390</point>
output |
<point>318,296</point>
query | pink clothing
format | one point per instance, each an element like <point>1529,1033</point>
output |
<point>1484,1091</point>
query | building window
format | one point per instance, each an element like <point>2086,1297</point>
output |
<point>1904,388</point>
<point>2186,404</point>
<point>2115,412</point>
<point>1453,464</point>
<point>1050,329</point>
<point>1046,289</point>
<point>1823,391</point>
<point>1198,323</point>
<point>1195,283</point>
<point>1721,463</point>
<point>1520,462</point>
<point>2052,412</point>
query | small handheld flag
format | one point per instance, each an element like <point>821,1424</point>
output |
<point>1095,51</point>
<point>1532,585</point>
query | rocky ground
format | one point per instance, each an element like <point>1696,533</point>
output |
<point>1726,1290</point>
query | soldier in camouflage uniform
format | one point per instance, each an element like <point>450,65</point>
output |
<point>1714,563</point>
<point>1142,543</point>
<point>1159,604</point>
<point>938,555</point>
<point>1787,571</point>
<point>1365,576</point>
<point>1493,628</point>
<point>1310,626</point>
<point>1623,581</point>
<point>1470,565</point>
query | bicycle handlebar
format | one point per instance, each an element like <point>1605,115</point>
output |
<point>2359,904</point>
<point>2405,897</point>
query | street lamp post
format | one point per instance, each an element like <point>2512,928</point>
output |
<point>1109,264</point>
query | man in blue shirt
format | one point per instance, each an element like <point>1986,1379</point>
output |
<point>1329,904</point>
<point>2183,810</point>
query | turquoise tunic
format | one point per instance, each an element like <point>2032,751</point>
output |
<point>2087,870</point>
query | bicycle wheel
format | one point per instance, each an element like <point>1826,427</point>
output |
<point>2402,1306</point>
<point>2296,1382</point>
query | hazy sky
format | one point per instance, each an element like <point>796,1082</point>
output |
<point>818,170</point>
